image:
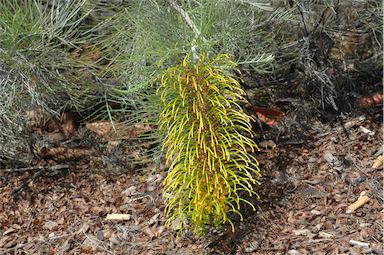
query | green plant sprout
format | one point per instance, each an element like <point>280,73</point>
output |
<point>207,142</point>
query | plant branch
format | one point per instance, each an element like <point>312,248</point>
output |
<point>187,19</point>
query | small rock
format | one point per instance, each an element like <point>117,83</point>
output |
<point>100,235</point>
<point>332,160</point>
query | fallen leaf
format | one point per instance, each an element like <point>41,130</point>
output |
<point>294,252</point>
<point>267,144</point>
<point>149,232</point>
<point>68,123</point>
<point>87,53</point>
<point>269,116</point>
<point>371,100</point>
<point>366,131</point>
<point>154,219</point>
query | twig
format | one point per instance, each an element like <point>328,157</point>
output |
<point>118,216</point>
<point>192,25</point>
<point>33,168</point>
<point>302,19</point>
<point>359,203</point>
<point>186,17</point>
<point>306,32</point>
<point>358,243</point>
<point>320,20</point>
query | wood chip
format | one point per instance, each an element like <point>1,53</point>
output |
<point>316,212</point>
<point>360,202</point>
<point>323,234</point>
<point>378,164</point>
<point>303,232</point>
<point>366,131</point>
<point>117,216</point>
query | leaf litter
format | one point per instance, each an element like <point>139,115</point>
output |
<point>306,191</point>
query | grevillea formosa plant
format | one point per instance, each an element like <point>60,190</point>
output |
<point>207,142</point>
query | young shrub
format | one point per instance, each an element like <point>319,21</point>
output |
<point>206,142</point>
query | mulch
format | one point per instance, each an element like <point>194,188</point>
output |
<point>305,191</point>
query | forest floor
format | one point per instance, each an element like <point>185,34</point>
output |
<point>305,191</point>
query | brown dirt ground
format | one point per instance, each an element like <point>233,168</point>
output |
<point>306,188</point>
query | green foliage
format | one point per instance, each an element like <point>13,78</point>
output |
<point>207,142</point>
<point>36,66</point>
<point>147,36</point>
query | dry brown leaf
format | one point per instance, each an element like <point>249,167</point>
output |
<point>303,232</point>
<point>323,234</point>
<point>371,100</point>
<point>269,116</point>
<point>68,123</point>
<point>158,231</point>
<point>149,232</point>
<point>8,231</point>
<point>267,144</point>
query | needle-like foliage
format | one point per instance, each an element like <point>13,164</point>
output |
<point>207,143</point>
<point>145,37</point>
<point>36,66</point>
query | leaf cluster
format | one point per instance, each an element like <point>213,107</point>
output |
<point>207,142</point>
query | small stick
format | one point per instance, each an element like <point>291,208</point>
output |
<point>356,205</point>
<point>24,169</point>
<point>358,243</point>
<point>186,17</point>
<point>118,216</point>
